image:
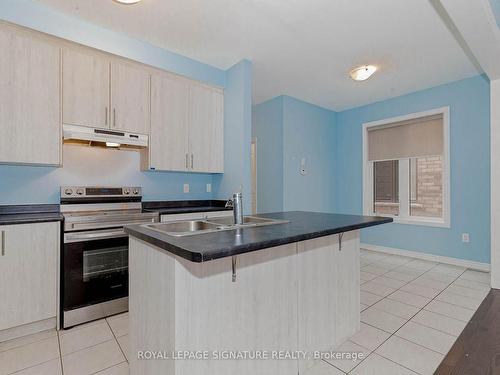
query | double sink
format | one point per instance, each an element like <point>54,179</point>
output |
<point>194,227</point>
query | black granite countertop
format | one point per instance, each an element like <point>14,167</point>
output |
<point>209,246</point>
<point>39,213</point>
<point>29,213</point>
<point>184,207</point>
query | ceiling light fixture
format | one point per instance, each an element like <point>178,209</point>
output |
<point>128,2</point>
<point>362,73</point>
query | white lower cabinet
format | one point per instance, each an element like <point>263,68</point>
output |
<point>29,256</point>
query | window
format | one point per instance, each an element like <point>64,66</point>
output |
<point>385,187</point>
<point>427,177</point>
<point>406,173</point>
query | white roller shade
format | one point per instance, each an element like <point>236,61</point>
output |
<point>406,139</point>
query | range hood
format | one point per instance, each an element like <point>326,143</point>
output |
<point>115,137</point>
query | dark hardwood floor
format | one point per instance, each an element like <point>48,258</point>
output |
<point>477,349</point>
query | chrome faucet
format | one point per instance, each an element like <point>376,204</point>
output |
<point>237,205</point>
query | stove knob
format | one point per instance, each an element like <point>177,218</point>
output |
<point>126,191</point>
<point>79,191</point>
<point>68,191</point>
<point>136,191</point>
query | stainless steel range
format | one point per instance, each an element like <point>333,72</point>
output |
<point>94,259</point>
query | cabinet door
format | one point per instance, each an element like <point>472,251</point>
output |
<point>129,98</point>
<point>169,123</point>
<point>206,130</point>
<point>29,100</point>
<point>85,89</point>
<point>28,273</point>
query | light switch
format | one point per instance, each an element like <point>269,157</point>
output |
<point>465,237</point>
<point>209,188</point>
<point>186,188</point>
<point>303,169</point>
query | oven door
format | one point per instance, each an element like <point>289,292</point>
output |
<point>95,267</point>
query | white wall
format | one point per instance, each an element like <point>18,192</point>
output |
<point>495,183</point>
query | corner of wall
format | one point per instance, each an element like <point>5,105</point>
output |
<point>237,134</point>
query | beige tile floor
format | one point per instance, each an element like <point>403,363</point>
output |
<point>98,347</point>
<point>411,313</point>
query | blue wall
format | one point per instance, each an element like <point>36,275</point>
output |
<point>21,184</point>
<point>470,169</point>
<point>267,128</point>
<point>96,166</point>
<point>308,132</point>
<point>495,6</point>
<point>288,130</point>
<point>237,135</point>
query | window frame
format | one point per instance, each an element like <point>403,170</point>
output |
<point>404,192</point>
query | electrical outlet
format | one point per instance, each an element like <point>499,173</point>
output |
<point>465,237</point>
<point>209,188</point>
<point>186,188</point>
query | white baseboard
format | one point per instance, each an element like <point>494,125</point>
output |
<point>431,257</point>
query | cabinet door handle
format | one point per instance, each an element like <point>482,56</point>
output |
<point>106,118</point>
<point>114,117</point>
<point>3,242</point>
<point>192,161</point>
<point>187,162</point>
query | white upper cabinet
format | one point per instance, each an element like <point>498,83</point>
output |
<point>46,82</point>
<point>169,123</point>
<point>30,124</point>
<point>206,130</point>
<point>129,98</point>
<point>103,93</point>
<point>187,126</point>
<point>85,89</point>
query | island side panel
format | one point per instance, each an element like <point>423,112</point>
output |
<point>347,307</point>
<point>298,296</point>
<point>328,293</point>
<point>317,286</point>
<point>257,312</point>
<point>151,307</point>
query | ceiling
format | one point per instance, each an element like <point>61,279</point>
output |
<point>299,48</point>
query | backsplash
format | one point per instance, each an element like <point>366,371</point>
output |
<point>96,166</point>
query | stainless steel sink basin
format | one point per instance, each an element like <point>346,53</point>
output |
<point>183,228</point>
<point>250,220</point>
<point>194,227</point>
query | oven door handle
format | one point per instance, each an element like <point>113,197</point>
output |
<point>106,224</point>
<point>80,237</point>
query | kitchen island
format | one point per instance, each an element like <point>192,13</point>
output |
<point>254,300</point>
